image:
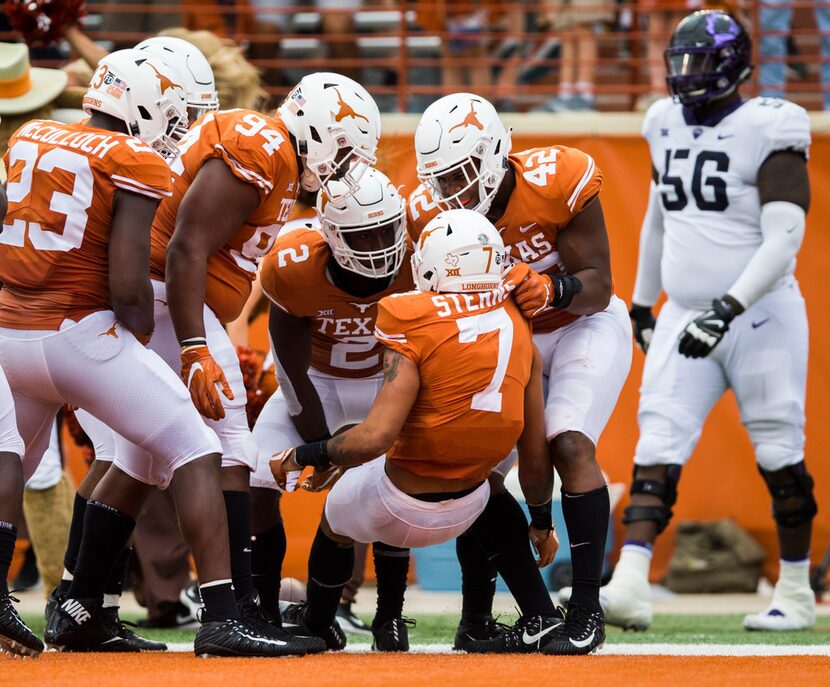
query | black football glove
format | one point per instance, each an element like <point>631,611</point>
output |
<point>643,322</point>
<point>704,332</point>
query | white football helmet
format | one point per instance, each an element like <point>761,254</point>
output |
<point>145,93</point>
<point>193,67</point>
<point>459,251</point>
<point>462,132</point>
<point>336,124</point>
<point>376,206</point>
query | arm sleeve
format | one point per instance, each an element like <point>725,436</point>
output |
<point>782,227</point>
<point>648,285</point>
<point>390,330</point>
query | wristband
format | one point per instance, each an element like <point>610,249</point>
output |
<point>565,287</point>
<point>194,341</point>
<point>541,516</point>
<point>315,454</point>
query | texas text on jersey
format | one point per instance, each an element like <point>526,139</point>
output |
<point>466,418</point>
<point>553,185</point>
<point>62,179</point>
<point>708,182</point>
<point>258,151</point>
<point>295,277</point>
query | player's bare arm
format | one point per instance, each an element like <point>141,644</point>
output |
<point>783,177</point>
<point>536,467</point>
<point>291,338</point>
<point>584,251</point>
<point>366,441</point>
<point>213,209</point>
<point>129,258</point>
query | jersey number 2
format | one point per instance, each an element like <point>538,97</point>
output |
<point>73,206</point>
<point>714,200</point>
<point>469,329</point>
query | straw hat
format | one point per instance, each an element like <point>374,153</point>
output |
<point>24,88</point>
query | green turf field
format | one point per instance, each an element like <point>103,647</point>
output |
<point>667,629</point>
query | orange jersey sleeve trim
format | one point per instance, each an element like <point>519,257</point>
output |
<point>243,173</point>
<point>134,186</point>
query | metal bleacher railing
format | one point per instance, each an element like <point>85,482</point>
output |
<point>404,51</point>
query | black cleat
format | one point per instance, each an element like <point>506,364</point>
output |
<point>255,616</point>
<point>477,630</point>
<point>528,636</point>
<point>294,620</point>
<point>120,628</point>
<point>81,625</point>
<point>582,633</point>
<point>232,637</point>
<point>349,622</point>
<point>52,603</point>
<point>393,635</point>
<point>15,638</point>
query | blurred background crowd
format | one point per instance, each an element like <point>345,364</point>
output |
<point>549,55</point>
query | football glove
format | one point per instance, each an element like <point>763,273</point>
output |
<point>546,543</point>
<point>643,322</point>
<point>286,470</point>
<point>321,480</point>
<point>532,291</point>
<point>704,332</point>
<point>202,374</point>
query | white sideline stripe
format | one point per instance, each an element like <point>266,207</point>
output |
<point>624,649</point>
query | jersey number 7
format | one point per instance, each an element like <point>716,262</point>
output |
<point>469,328</point>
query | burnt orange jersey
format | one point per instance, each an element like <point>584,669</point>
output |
<point>474,354</point>
<point>295,277</point>
<point>552,185</point>
<point>258,151</point>
<point>54,245</point>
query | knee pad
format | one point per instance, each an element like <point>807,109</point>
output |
<point>665,491</point>
<point>795,485</point>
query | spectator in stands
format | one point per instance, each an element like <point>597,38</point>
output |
<point>122,24</point>
<point>578,23</point>
<point>776,19</point>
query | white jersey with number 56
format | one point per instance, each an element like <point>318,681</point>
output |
<point>707,177</point>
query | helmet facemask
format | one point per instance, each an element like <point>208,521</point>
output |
<point>347,163</point>
<point>377,263</point>
<point>486,184</point>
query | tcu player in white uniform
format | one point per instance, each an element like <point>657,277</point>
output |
<point>725,220</point>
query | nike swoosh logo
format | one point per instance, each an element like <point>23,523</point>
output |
<point>532,639</point>
<point>196,367</point>
<point>581,644</point>
<point>527,227</point>
<point>582,543</point>
<point>501,230</point>
<point>722,136</point>
<point>755,325</point>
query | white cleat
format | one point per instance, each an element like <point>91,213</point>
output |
<point>625,601</point>
<point>793,608</point>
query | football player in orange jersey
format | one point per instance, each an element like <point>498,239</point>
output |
<point>75,305</point>
<point>201,97</point>
<point>325,282</point>
<point>234,186</point>
<point>545,204</point>
<point>460,389</point>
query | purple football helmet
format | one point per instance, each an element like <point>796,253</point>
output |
<point>709,55</point>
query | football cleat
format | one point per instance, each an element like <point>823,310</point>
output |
<point>582,633</point>
<point>479,629</point>
<point>625,601</point>
<point>121,628</point>
<point>234,637</point>
<point>294,620</point>
<point>15,638</point>
<point>254,616</point>
<point>393,635</point>
<point>349,622</point>
<point>52,603</point>
<point>529,635</point>
<point>793,608</point>
<point>81,625</point>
